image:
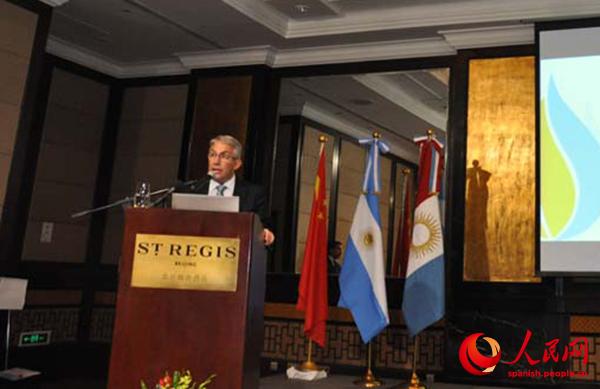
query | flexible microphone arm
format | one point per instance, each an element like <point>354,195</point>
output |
<point>172,189</point>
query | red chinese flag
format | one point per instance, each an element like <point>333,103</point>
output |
<point>312,291</point>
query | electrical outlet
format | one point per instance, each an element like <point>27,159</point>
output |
<point>46,235</point>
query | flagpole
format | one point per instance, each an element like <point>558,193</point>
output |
<point>427,269</point>
<point>361,291</point>
<point>368,380</point>
<point>309,365</point>
<point>415,383</point>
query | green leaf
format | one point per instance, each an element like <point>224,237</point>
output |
<point>207,381</point>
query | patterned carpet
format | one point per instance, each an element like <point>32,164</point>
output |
<point>271,382</point>
<point>346,382</point>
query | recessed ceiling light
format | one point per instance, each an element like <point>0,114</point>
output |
<point>302,8</point>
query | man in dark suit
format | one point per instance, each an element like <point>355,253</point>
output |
<point>224,159</point>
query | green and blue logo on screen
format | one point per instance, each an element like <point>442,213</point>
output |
<point>570,149</point>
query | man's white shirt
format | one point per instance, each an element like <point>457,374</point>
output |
<point>229,187</point>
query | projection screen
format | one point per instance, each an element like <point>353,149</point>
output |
<point>569,150</point>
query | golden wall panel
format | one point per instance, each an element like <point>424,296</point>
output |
<point>500,179</point>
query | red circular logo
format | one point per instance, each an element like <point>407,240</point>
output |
<point>473,361</point>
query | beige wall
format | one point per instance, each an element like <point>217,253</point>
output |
<point>352,170</point>
<point>67,166</point>
<point>17,32</point>
<point>351,174</point>
<point>148,149</point>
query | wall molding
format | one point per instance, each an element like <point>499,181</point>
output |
<point>414,48</point>
<point>81,56</point>
<point>520,34</point>
<point>68,51</point>
<point>255,55</point>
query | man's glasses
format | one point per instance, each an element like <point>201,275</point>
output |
<point>223,156</point>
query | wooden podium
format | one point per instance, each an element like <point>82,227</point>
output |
<point>160,329</point>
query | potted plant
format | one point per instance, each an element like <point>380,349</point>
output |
<point>183,380</point>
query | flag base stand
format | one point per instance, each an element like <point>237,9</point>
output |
<point>414,383</point>
<point>368,381</point>
<point>309,366</point>
<point>307,370</point>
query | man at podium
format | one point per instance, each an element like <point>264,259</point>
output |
<point>224,159</point>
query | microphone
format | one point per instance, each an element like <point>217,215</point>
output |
<point>191,184</point>
<point>181,186</point>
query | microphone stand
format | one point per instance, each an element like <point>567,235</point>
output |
<point>165,192</point>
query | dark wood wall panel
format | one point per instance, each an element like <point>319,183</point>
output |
<point>222,107</point>
<point>63,323</point>
<point>24,81</point>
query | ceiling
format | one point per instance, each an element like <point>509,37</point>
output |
<point>137,38</point>
<point>400,105</point>
<point>129,38</point>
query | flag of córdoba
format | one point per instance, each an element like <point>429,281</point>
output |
<point>423,302</point>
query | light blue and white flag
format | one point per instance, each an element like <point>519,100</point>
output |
<point>362,279</point>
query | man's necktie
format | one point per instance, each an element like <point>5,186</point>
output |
<point>221,190</point>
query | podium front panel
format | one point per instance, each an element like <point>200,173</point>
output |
<point>204,331</point>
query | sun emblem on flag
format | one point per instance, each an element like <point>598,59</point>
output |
<point>427,235</point>
<point>368,239</point>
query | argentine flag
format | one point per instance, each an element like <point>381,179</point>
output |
<point>362,279</point>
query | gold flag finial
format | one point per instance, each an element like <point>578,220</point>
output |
<point>430,133</point>
<point>322,138</point>
<point>406,171</point>
<point>376,135</point>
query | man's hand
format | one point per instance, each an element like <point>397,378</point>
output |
<point>268,237</point>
